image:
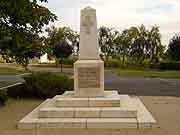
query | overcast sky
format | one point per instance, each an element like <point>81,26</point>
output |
<point>122,14</point>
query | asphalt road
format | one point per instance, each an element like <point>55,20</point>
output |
<point>142,86</point>
<point>8,79</point>
<point>132,86</point>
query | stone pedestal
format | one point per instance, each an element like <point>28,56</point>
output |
<point>89,78</point>
<point>112,111</point>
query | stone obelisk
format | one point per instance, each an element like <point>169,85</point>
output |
<point>89,48</point>
<point>89,69</point>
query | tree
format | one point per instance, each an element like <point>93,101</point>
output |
<point>145,44</point>
<point>155,49</point>
<point>122,43</point>
<point>139,45</point>
<point>62,50</point>
<point>21,21</point>
<point>174,48</point>
<point>138,39</point>
<point>59,43</point>
<point>106,41</point>
<point>73,38</point>
<point>30,47</point>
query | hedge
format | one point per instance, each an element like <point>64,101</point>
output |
<point>42,85</point>
<point>112,63</point>
<point>3,96</point>
<point>166,66</point>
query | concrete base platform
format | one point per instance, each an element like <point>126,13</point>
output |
<point>130,113</point>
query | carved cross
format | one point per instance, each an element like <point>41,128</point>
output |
<point>87,23</point>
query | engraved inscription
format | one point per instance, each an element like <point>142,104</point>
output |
<point>89,77</point>
<point>87,23</point>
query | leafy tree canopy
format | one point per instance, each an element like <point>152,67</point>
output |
<point>62,50</point>
<point>136,43</point>
<point>24,15</point>
<point>21,21</point>
<point>106,38</point>
<point>174,48</point>
<point>60,42</point>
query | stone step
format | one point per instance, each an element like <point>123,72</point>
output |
<point>144,118</point>
<point>110,123</point>
<point>88,102</point>
<point>105,112</point>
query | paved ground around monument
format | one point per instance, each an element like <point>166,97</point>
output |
<point>166,111</point>
<point>132,86</point>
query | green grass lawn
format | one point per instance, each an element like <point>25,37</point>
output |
<point>7,70</point>
<point>52,65</point>
<point>148,73</point>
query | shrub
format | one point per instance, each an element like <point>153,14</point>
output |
<point>41,85</point>
<point>69,61</point>
<point>45,85</point>
<point>18,91</point>
<point>166,66</point>
<point>112,63</point>
<point>3,96</point>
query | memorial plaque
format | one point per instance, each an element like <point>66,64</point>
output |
<point>89,77</point>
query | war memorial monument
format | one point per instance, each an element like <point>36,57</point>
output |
<point>89,105</point>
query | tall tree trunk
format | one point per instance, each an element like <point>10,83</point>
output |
<point>61,68</point>
<point>123,60</point>
<point>25,65</point>
<point>57,62</point>
<point>61,60</point>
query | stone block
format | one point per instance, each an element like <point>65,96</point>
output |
<point>112,93</point>
<point>107,94</point>
<point>112,123</point>
<point>125,101</point>
<point>89,78</point>
<point>104,102</point>
<point>56,112</point>
<point>72,102</point>
<point>61,123</point>
<point>27,124</point>
<point>118,112</point>
<point>87,112</point>
<point>144,117</point>
<point>30,120</point>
